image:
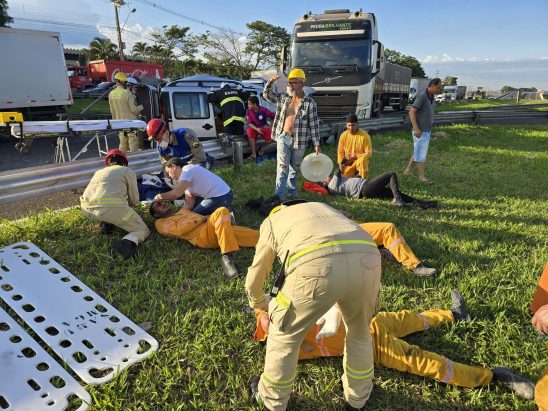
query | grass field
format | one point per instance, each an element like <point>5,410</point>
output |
<point>484,103</point>
<point>100,107</point>
<point>488,239</point>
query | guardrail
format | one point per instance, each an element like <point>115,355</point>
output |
<point>16,185</point>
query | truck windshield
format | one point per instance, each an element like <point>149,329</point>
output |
<point>353,53</point>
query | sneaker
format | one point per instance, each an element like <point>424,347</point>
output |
<point>399,203</point>
<point>426,204</point>
<point>229,268</point>
<point>459,309</point>
<point>423,271</point>
<point>521,386</point>
<point>125,248</point>
<point>107,228</point>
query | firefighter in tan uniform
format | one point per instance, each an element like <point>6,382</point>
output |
<point>108,198</point>
<point>328,259</point>
<point>123,106</point>
<point>215,231</point>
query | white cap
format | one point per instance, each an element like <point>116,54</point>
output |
<point>316,167</point>
<point>131,80</point>
<point>224,83</point>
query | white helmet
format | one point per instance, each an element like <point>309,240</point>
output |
<point>150,180</point>
<point>224,84</point>
<point>132,81</point>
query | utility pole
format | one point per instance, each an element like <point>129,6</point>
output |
<point>118,3</point>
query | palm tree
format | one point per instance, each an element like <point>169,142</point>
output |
<point>101,48</point>
<point>140,49</point>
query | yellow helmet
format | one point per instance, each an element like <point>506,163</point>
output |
<point>297,74</point>
<point>120,77</point>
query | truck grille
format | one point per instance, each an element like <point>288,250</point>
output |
<point>335,105</point>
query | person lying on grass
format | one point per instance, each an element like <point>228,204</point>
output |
<point>383,186</point>
<point>326,339</point>
<point>215,231</point>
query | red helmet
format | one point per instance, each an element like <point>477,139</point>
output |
<point>115,152</point>
<point>156,128</point>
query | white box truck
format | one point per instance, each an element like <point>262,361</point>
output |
<point>417,86</point>
<point>34,79</point>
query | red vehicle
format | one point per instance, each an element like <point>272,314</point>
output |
<point>98,71</point>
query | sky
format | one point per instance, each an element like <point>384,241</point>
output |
<point>487,43</point>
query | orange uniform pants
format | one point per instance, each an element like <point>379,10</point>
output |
<point>218,232</point>
<point>359,167</point>
<point>388,236</point>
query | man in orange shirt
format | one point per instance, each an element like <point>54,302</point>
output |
<point>354,149</point>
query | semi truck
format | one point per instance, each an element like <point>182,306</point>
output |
<point>343,60</point>
<point>417,86</point>
<point>97,71</point>
<point>452,93</point>
<point>33,80</point>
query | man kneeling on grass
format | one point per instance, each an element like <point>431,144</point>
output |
<point>215,231</point>
<point>326,339</point>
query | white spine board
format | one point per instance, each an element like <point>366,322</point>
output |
<point>93,338</point>
<point>29,378</point>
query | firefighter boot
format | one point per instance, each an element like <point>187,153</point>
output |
<point>229,268</point>
<point>125,248</point>
<point>253,391</point>
<point>521,386</point>
<point>459,310</point>
<point>107,228</point>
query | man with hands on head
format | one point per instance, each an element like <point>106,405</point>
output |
<point>296,123</point>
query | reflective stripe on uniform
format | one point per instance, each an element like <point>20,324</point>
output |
<point>424,321</point>
<point>358,374</point>
<point>233,118</point>
<point>272,383</point>
<point>229,99</point>
<point>395,243</point>
<point>328,244</point>
<point>448,375</point>
<point>104,201</point>
<point>128,215</point>
<point>221,220</point>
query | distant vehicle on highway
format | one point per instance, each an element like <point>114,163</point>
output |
<point>100,88</point>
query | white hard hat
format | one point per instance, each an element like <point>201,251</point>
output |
<point>131,80</point>
<point>224,83</point>
<point>316,167</point>
<point>151,180</point>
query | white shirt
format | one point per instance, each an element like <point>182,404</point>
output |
<point>202,182</point>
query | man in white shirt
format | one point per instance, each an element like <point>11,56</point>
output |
<point>204,191</point>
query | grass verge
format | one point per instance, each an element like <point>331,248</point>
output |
<point>484,103</point>
<point>489,239</point>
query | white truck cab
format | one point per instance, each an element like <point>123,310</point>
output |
<point>184,103</point>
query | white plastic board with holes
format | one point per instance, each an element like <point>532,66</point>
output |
<point>93,338</point>
<point>29,378</point>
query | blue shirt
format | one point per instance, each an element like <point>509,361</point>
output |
<point>181,150</point>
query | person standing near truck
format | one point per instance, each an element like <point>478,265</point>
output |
<point>422,118</point>
<point>295,124</point>
<point>123,106</point>
<point>231,100</point>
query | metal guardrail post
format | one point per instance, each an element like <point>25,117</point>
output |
<point>238,155</point>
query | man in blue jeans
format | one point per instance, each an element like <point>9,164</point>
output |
<point>295,123</point>
<point>422,118</point>
<point>204,191</point>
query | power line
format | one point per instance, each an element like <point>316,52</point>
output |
<point>195,20</point>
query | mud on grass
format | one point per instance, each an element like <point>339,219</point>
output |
<point>488,239</point>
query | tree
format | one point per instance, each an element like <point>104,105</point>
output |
<point>176,41</point>
<point>226,55</point>
<point>100,48</point>
<point>394,57</point>
<point>449,81</point>
<point>140,49</point>
<point>265,43</point>
<point>506,89</point>
<point>5,19</point>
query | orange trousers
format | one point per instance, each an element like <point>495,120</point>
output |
<point>218,232</point>
<point>359,167</point>
<point>388,236</point>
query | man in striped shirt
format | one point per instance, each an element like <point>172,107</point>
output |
<point>295,124</point>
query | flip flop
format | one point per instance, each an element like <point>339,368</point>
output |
<point>426,181</point>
